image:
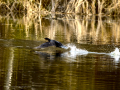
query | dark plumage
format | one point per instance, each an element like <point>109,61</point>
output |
<point>50,43</point>
<point>54,42</point>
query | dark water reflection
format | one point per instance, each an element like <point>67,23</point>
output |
<point>52,69</point>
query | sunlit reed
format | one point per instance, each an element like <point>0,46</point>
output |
<point>87,7</point>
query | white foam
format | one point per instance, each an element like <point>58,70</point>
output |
<point>74,51</point>
<point>115,54</point>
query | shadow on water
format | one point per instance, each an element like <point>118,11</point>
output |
<point>88,65</point>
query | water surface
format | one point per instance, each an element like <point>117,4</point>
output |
<point>57,69</point>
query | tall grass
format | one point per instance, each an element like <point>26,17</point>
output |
<point>89,7</point>
<point>32,7</point>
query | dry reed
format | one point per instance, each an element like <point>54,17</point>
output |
<point>105,7</point>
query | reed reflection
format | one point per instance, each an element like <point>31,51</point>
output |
<point>53,69</point>
<point>72,28</point>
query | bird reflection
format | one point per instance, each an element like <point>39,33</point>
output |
<point>49,55</point>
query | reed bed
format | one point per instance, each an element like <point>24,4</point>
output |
<point>26,12</point>
<point>87,7</point>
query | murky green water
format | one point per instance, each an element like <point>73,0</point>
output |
<point>51,69</point>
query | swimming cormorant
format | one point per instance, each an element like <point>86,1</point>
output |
<point>50,43</point>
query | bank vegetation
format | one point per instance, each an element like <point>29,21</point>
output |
<point>86,7</point>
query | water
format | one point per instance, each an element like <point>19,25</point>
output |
<point>91,61</point>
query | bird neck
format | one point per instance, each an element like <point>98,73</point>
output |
<point>49,40</point>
